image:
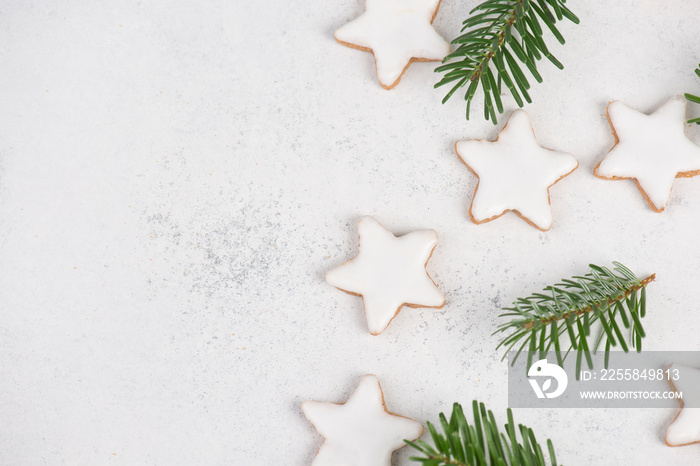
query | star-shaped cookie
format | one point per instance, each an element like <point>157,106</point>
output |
<point>360,432</point>
<point>685,429</point>
<point>389,272</point>
<point>514,173</point>
<point>651,149</point>
<point>397,32</point>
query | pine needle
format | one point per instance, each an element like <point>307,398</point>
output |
<point>694,99</point>
<point>481,444</point>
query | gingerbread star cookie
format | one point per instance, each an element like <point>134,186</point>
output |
<point>685,429</point>
<point>514,173</point>
<point>389,272</point>
<point>651,149</point>
<point>397,32</point>
<point>360,432</point>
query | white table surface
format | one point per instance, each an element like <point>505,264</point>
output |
<point>176,178</point>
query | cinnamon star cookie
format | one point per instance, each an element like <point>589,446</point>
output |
<point>514,173</point>
<point>388,273</point>
<point>651,149</point>
<point>360,432</point>
<point>397,32</point>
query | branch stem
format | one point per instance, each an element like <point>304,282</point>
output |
<point>578,312</point>
<point>501,38</point>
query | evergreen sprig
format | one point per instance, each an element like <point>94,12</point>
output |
<point>694,98</point>
<point>481,444</point>
<point>495,34</point>
<point>615,299</point>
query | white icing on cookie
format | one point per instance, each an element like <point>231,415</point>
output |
<point>389,272</point>
<point>395,31</point>
<point>685,428</point>
<point>514,173</point>
<point>360,432</point>
<point>652,149</point>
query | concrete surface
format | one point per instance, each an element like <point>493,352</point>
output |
<point>176,178</point>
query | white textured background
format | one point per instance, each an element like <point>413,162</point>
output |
<point>177,177</point>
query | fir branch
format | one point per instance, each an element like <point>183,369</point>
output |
<point>497,32</point>
<point>695,99</point>
<point>481,444</point>
<point>615,299</point>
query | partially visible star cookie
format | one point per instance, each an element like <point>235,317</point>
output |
<point>651,149</point>
<point>397,32</point>
<point>685,429</point>
<point>514,173</point>
<point>360,432</point>
<point>389,272</point>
